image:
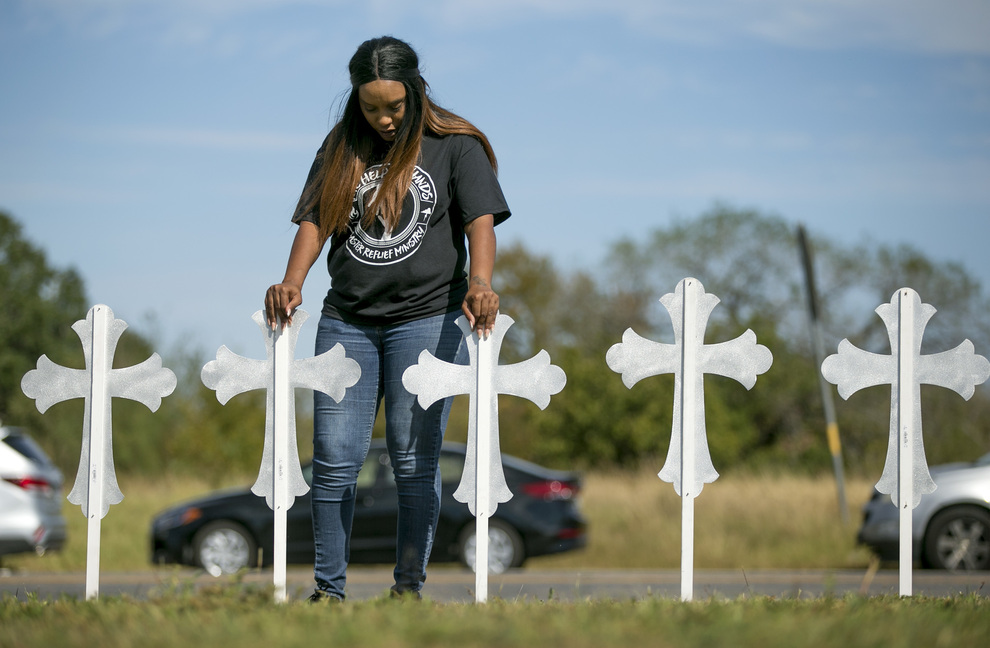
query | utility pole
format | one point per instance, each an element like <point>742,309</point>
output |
<point>831,425</point>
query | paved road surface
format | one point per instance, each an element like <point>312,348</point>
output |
<point>457,585</point>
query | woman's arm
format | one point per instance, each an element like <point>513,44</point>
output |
<point>282,298</point>
<point>481,302</point>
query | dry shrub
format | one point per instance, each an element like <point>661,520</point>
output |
<point>741,521</point>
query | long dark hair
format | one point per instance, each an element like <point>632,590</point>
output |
<point>353,143</point>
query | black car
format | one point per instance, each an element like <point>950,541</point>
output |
<point>225,532</point>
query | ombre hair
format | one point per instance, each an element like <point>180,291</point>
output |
<point>352,142</point>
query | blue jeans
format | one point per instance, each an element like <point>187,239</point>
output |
<point>342,435</point>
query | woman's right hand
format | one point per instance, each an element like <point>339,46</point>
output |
<point>281,301</point>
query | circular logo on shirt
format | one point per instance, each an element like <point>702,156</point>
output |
<point>380,244</point>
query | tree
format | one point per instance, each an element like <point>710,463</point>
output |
<point>575,321</point>
<point>554,311</point>
<point>40,305</point>
<point>750,261</point>
<point>190,432</point>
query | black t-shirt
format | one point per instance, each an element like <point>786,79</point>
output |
<point>418,269</point>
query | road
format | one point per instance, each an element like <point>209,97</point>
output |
<point>457,585</point>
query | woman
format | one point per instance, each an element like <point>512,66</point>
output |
<point>395,188</point>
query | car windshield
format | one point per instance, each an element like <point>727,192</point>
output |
<point>27,447</point>
<point>451,467</point>
<point>367,476</point>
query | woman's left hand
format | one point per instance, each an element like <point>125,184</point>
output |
<point>480,306</point>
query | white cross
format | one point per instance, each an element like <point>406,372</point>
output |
<point>905,473</point>
<point>280,479</point>
<point>95,488</point>
<point>689,465</point>
<point>482,486</point>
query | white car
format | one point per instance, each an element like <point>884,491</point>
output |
<point>30,496</point>
<point>950,527</point>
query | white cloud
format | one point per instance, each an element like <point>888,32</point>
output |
<point>958,26</point>
<point>172,23</point>
<point>952,26</point>
<point>925,25</point>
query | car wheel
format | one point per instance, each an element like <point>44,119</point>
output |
<point>224,547</point>
<point>505,547</point>
<point>959,539</point>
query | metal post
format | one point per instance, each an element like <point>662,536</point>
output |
<point>282,392</point>
<point>689,352</point>
<point>483,457</point>
<point>906,431</point>
<point>97,439</point>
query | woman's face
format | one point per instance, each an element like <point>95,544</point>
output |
<point>383,104</point>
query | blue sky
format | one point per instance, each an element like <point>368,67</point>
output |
<point>159,146</point>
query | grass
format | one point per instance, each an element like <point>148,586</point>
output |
<point>741,521</point>
<point>247,617</point>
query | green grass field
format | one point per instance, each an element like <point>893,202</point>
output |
<point>741,522</point>
<point>246,617</point>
